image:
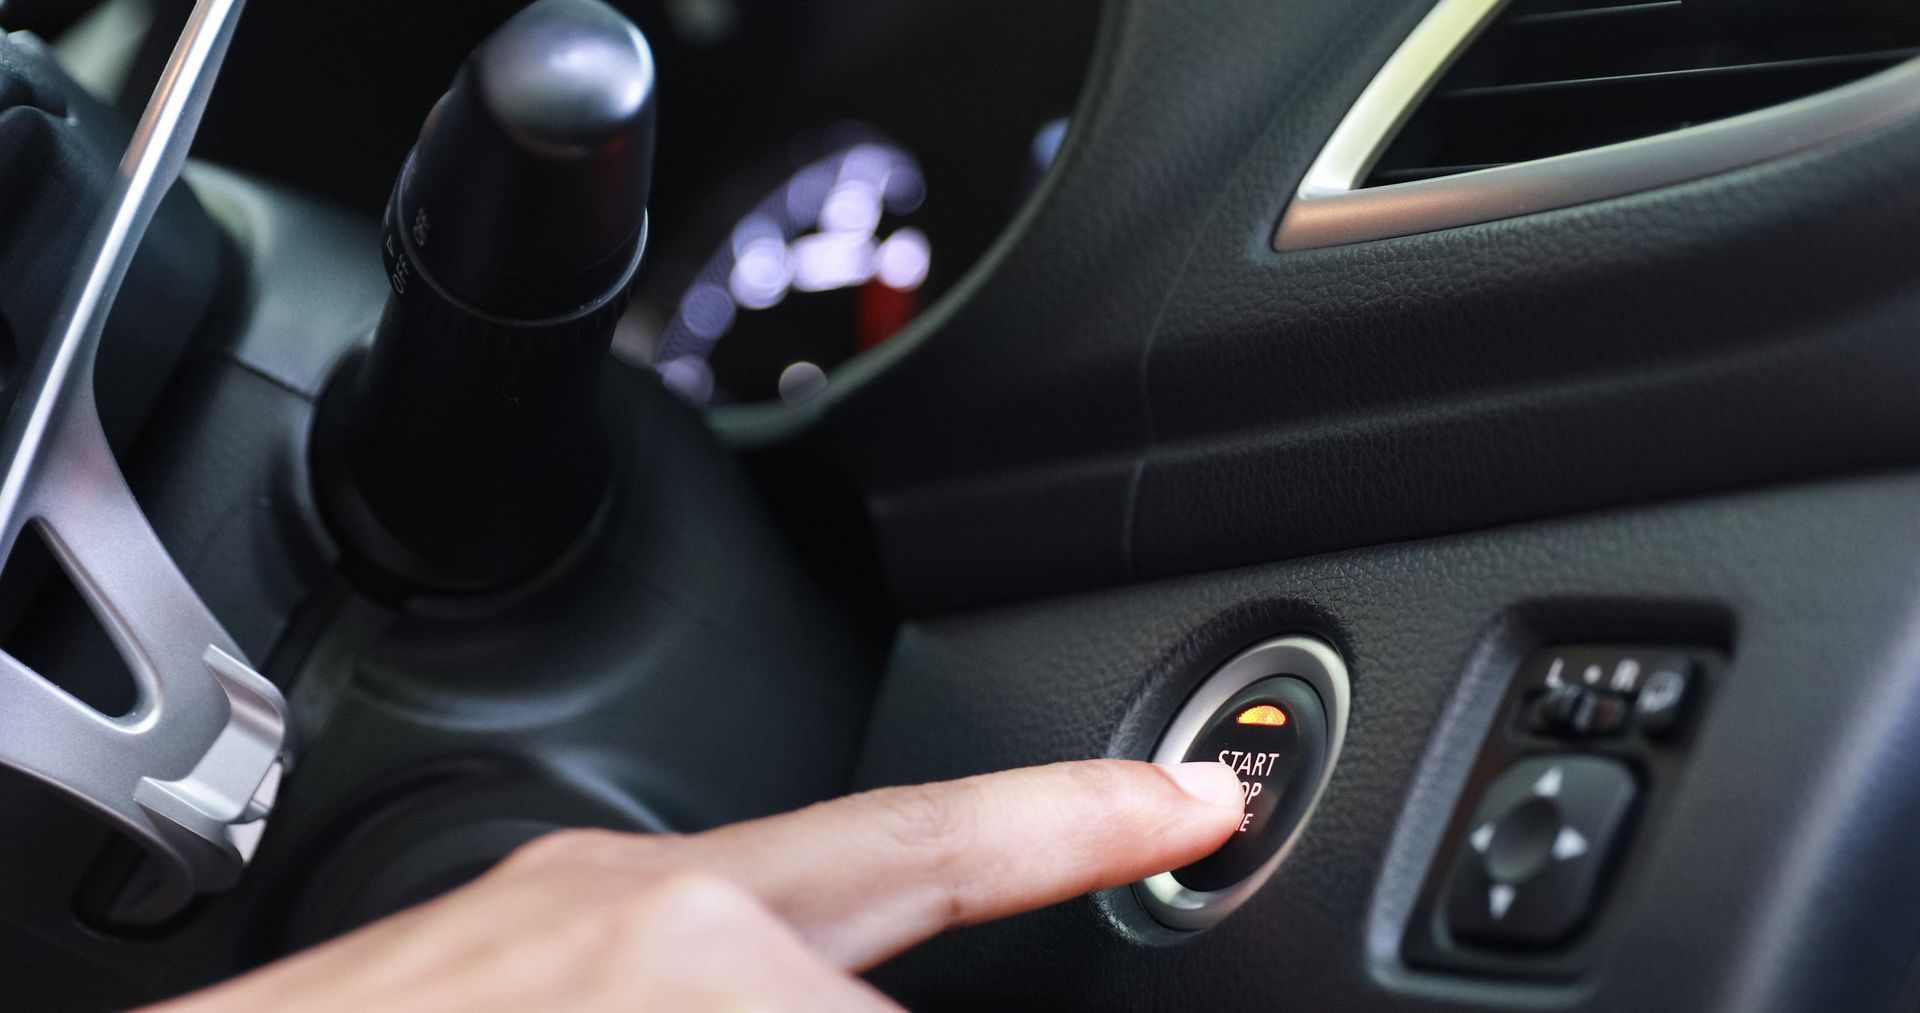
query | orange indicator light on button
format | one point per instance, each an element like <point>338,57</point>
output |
<point>1264,714</point>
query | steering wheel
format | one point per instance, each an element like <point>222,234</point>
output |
<point>192,768</point>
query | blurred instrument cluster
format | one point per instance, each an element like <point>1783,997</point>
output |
<point>827,168</point>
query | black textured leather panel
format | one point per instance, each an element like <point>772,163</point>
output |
<point>1136,385</point>
<point>1781,878</point>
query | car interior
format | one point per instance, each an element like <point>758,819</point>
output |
<point>1492,427</point>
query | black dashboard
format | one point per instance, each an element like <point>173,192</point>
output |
<point>1577,481</point>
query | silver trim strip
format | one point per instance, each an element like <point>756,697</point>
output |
<point>1331,210</point>
<point>191,764</point>
<point>1309,660</point>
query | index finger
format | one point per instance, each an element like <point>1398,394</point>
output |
<point>865,877</point>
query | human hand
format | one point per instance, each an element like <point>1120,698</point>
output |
<point>777,913</point>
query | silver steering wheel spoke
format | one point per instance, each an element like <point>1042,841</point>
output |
<point>198,757</point>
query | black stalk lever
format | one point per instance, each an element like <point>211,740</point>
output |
<point>466,450</point>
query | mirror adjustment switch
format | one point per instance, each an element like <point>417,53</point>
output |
<point>1606,692</point>
<point>1588,742</point>
<point>1537,848</point>
<point>1663,698</point>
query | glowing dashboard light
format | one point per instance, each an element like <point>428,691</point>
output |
<point>1047,142</point>
<point>903,260</point>
<point>828,260</point>
<point>906,190</point>
<point>756,228</point>
<point>760,277</point>
<point>821,231</point>
<point>854,205</point>
<point>800,380</point>
<point>688,377</point>
<point>871,163</point>
<point>1264,714</point>
<point>808,191</point>
<point>708,310</point>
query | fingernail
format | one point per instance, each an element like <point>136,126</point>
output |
<point>1207,781</point>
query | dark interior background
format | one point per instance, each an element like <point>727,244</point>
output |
<point>1137,440</point>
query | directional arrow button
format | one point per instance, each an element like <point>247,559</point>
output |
<point>1482,838</point>
<point>1499,899</point>
<point>1529,865</point>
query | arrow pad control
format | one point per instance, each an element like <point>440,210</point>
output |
<point>1537,849</point>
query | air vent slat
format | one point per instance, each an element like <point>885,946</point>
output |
<point>1528,8</point>
<point>1550,77</point>
<point>1817,72</point>
<point>1586,16</point>
<point>1608,41</point>
<point>1431,172</point>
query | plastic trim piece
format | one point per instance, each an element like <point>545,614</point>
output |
<point>1305,658</point>
<point>198,758</point>
<point>1331,209</point>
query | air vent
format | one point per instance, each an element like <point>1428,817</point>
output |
<point>1495,109</point>
<point>1554,76</point>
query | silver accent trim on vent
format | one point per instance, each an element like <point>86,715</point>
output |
<point>197,759</point>
<point>1305,658</point>
<point>1331,210</point>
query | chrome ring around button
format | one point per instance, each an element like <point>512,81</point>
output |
<point>1305,658</point>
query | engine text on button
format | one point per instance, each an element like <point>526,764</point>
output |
<point>1259,765</point>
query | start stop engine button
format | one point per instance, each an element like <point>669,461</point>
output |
<point>1276,714</point>
<point>1274,735</point>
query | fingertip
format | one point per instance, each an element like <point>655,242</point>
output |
<point>1208,781</point>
